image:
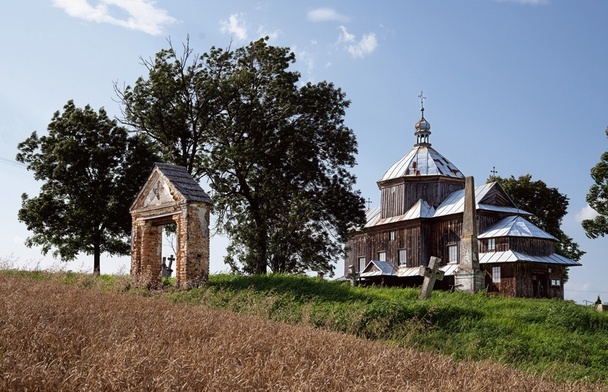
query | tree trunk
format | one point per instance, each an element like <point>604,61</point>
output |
<point>261,246</point>
<point>96,258</point>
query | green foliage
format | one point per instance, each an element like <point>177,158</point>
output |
<point>548,207</point>
<point>276,155</point>
<point>91,169</point>
<point>173,107</point>
<point>598,199</point>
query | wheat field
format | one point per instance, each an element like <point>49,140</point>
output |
<point>56,337</point>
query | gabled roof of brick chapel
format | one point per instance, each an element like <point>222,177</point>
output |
<point>181,185</point>
<point>183,182</point>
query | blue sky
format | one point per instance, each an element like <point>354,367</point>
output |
<point>519,85</point>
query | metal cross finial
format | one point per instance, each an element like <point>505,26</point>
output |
<point>422,98</point>
<point>493,171</point>
<point>369,203</point>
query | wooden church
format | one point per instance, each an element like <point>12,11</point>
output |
<point>423,213</point>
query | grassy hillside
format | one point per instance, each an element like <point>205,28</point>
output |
<point>551,337</point>
<point>546,338</point>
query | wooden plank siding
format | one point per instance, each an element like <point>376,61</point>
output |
<point>369,243</point>
<point>395,200</point>
<point>423,238</point>
<point>445,233</point>
<point>529,280</point>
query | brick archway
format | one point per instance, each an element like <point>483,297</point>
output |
<point>170,195</point>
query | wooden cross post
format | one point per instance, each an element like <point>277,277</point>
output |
<point>171,260</point>
<point>166,270</point>
<point>431,274</point>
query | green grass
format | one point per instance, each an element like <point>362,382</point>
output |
<point>557,338</point>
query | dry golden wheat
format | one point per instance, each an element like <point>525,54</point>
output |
<point>55,337</point>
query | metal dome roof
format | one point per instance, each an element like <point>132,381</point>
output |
<point>515,226</point>
<point>422,161</point>
<point>422,125</point>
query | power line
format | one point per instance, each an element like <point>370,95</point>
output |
<point>12,162</point>
<point>587,291</point>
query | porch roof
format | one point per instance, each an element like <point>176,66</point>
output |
<point>512,257</point>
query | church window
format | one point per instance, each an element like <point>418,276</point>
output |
<point>556,282</point>
<point>492,244</point>
<point>453,253</point>
<point>382,256</point>
<point>402,256</point>
<point>361,261</point>
<point>495,274</point>
<point>391,235</point>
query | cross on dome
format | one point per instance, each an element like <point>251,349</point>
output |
<point>422,98</point>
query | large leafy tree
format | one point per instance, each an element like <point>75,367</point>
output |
<point>173,106</point>
<point>598,199</point>
<point>548,205</point>
<point>91,170</point>
<point>276,154</point>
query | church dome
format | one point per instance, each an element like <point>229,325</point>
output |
<point>422,125</point>
<point>422,160</point>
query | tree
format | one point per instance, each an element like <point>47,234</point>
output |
<point>598,199</point>
<point>92,170</point>
<point>548,207</point>
<point>276,155</point>
<point>173,107</point>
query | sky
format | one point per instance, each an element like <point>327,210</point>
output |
<point>516,85</point>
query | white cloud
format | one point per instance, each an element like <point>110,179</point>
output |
<point>142,15</point>
<point>308,60</point>
<point>360,49</point>
<point>585,213</point>
<point>345,36</point>
<point>326,15</point>
<point>273,35</point>
<point>235,26</point>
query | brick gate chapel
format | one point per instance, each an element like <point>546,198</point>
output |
<point>170,196</point>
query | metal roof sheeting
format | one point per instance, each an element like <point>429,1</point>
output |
<point>384,268</point>
<point>454,203</point>
<point>406,272</point>
<point>515,226</point>
<point>378,268</point>
<point>421,209</point>
<point>372,216</point>
<point>422,161</point>
<point>512,257</point>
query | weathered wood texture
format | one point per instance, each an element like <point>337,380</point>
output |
<point>423,239</point>
<point>397,197</point>
<point>526,280</point>
<point>529,246</point>
<point>368,244</point>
